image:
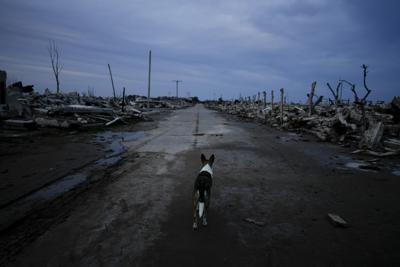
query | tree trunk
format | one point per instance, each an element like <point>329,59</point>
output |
<point>310,98</point>
<point>58,85</point>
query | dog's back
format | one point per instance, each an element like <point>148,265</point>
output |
<point>203,184</point>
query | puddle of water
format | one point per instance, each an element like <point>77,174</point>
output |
<point>353,165</point>
<point>67,183</point>
<point>396,172</point>
<point>363,166</point>
<point>109,161</point>
<point>116,138</point>
<point>116,147</point>
<point>132,136</point>
<point>64,185</point>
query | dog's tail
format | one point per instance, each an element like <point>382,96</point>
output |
<point>202,189</point>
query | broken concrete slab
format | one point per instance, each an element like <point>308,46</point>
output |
<point>336,220</point>
<point>373,135</point>
<point>17,106</point>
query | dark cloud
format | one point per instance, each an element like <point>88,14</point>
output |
<point>216,47</point>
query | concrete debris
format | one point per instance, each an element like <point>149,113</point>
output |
<point>336,220</point>
<point>23,108</point>
<point>373,135</point>
<point>113,121</point>
<point>344,123</point>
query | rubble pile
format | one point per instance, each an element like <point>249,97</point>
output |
<point>23,108</point>
<point>376,133</point>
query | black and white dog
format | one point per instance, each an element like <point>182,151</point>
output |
<point>202,191</point>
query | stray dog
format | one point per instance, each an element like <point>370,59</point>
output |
<point>202,191</point>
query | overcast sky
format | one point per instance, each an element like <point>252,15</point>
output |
<point>216,47</point>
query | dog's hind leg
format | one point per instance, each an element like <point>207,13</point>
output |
<point>195,201</point>
<point>207,204</point>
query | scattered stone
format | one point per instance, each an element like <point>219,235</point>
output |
<point>336,220</point>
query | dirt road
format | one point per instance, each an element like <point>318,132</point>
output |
<point>283,182</point>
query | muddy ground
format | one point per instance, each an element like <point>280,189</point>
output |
<point>138,213</point>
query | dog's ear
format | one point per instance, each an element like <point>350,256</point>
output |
<point>203,158</point>
<point>211,160</point>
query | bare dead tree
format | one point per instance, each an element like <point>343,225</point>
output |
<point>360,102</point>
<point>336,94</point>
<point>311,104</point>
<point>365,71</point>
<point>357,99</point>
<point>54,53</point>
<point>310,98</point>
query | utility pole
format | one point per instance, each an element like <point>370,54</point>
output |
<point>112,81</point>
<point>177,82</point>
<point>282,104</point>
<point>148,87</point>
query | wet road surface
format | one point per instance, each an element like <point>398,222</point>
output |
<point>142,216</point>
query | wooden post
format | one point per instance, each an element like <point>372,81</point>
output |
<point>272,102</point>
<point>282,96</point>
<point>310,98</point>
<point>265,98</point>
<point>3,82</point>
<point>123,101</point>
<point>148,87</point>
<point>112,81</point>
